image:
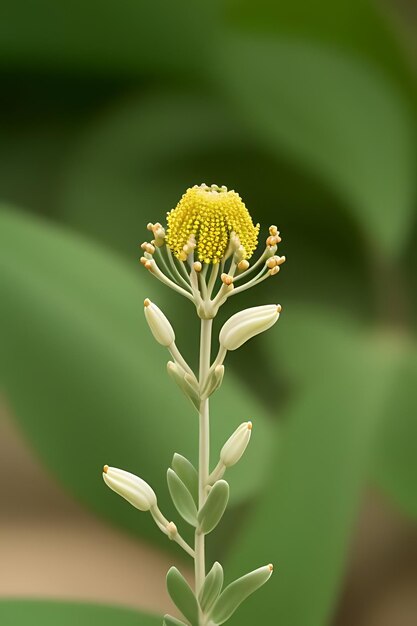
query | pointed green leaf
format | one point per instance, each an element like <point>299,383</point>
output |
<point>214,507</point>
<point>173,621</point>
<point>237,592</point>
<point>182,595</point>
<point>187,473</point>
<point>211,588</point>
<point>182,498</point>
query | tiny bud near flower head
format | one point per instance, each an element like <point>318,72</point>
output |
<point>236,445</point>
<point>246,324</point>
<point>226,279</point>
<point>274,270</point>
<point>172,530</point>
<point>132,488</point>
<point>243,265</point>
<point>159,324</point>
<point>271,567</point>
<point>197,266</point>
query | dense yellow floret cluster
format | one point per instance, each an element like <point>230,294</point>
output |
<point>210,215</point>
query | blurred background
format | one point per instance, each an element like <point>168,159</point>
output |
<point>109,111</point>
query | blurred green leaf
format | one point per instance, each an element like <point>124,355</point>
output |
<point>305,520</point>
<point>338,116</point>
<point>396,456</point>
<point>359,26</point>
<point>85,378</point>
<point>50,613</point>
<point>112,38</point>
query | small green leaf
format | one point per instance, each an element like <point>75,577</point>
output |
<point>211,588</point>
<point>214,507</point>
<point>182,498</point>
<point>182,595</point>
<point>173,621</point>
<point>184,382</point>
<point>186,471</point>
<point>237,592</point>
<point>214,380</point>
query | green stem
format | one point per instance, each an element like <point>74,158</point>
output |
<point>204,452</point>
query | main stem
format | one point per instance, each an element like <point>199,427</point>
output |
<point>204,451</point>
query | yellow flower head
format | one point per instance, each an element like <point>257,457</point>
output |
<point>206,216</point>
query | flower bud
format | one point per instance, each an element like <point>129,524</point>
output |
<point>172,530</point>
<point>246,324</point>
<point>130,487</point>
<point>236,445</point>
<point>159,324</point>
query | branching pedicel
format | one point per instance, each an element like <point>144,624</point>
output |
<point>204,255</point>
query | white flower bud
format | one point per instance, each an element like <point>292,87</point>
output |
<point>236,445</point>
<point>159,324</point>
<point>130,487</point>
<point>172,530</point>
<point>246,324</point>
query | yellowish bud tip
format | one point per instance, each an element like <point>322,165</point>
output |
<point>271,567</point>
<point>143,260</point>
<point>146,302</point>
<point>279,308</point>
<point>210,214</point>
<point>147,264</point>
<point>150,226</point>
<point>226,279</point>
<point>197,266</point>
<point>243,265</point>
<point>250,425</point>
<point>105,469</point>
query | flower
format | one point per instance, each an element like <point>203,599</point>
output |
<point>205,218</point>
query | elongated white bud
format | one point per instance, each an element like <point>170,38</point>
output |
<point>236,445</point>
<point>159,324</point>
<point>246,324</point>
<point>130,487</point>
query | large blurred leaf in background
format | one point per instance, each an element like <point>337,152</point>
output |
<point>85,378</point>
<point>24,612</point>
<point>104,37</point>
<point>305,520</point>
<point>396,458</point>
<point>360,27</point>
<point>356,131</point>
